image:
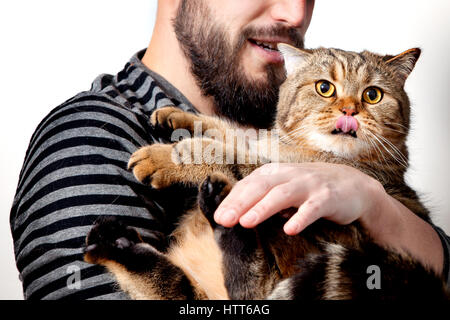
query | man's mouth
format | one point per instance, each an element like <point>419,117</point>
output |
<point>267,50</point>
<point>269,46</point>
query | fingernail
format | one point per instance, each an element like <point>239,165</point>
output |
<point>249,218</point>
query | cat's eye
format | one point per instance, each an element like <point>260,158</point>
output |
<point>325,88</point>
<point>372,95</point>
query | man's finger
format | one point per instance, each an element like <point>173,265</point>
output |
<point>244,195</point>
<point>241,198</point>
<point>308,212</point>
<point>278,198</point>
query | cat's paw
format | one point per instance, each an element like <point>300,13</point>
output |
<point>211,193</point>
<point>169,119</point>
<point>109,240</point>
<point>152,165</point>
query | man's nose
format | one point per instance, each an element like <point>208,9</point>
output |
<point>291,12</point>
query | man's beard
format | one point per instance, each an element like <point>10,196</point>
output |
<point>215,63</point>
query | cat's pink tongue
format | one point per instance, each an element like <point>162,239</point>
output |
<point>347,123</point>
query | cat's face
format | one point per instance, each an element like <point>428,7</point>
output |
<point>350,104</point>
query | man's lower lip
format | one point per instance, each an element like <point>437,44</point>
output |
<point>269,55</point>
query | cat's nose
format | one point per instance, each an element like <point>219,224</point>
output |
<point>349,111</point>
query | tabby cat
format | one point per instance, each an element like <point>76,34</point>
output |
<point>335,106</point>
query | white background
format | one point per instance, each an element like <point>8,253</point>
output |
<point>51,50</point>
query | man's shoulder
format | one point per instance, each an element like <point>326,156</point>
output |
<point>89,125</point>
<point>90,109</point>
<point>85,103</point>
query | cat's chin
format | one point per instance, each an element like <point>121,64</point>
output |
<point>344,146</point>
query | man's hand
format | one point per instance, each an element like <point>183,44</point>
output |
<point>319,190</point>
<point>335,192</point>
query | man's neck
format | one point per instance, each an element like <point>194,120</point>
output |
<point>165,57</point>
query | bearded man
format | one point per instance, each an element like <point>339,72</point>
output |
<point>208,56</point>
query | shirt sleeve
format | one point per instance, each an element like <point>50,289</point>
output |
<point>445,239</point>
<point>74,171</point>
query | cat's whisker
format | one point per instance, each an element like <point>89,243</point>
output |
<point>401,132</point>
<point>390,129</point>
<point>287,137</point>
<point>367,144</point>
<point>377,144</point>
<point>377,149</point>
<point>291,136</point>
<point>400,161</point>
<point>297,136</point>
<point>300,141</point>
<point>370,147</point>
<point>293,132</point>
<point>396,124</point>
<point>395,149</point>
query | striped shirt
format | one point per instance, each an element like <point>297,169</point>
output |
<point>75,171</point>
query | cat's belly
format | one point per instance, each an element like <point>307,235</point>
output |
<point>198,255</point>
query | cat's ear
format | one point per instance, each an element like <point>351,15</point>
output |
<point>404,63</point>
<point>293,57</point>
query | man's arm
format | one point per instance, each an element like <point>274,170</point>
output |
<point>395,226</point>
<point>74,172</point>
<point>335,192</point>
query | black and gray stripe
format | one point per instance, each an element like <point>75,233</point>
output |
<point>75,171</point>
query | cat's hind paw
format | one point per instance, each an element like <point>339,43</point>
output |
<point>109,239</point>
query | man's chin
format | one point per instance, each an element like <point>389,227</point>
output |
<point>258,71</point>
<point>259,79</point>
<point>264,76</point>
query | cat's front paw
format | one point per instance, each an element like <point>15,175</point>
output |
<point>168,119</point>
<point>109,240</point>
<point>212,191</point>
<point>153,165</point>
